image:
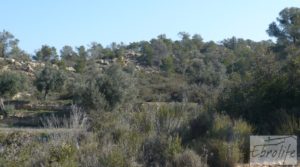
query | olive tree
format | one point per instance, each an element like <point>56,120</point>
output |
<point>108,90</point>
<point>49,79</point>
<point>10,84</point>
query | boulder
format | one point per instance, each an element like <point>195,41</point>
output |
<point>104,62</point>
<point>18,65</point>
<point>36,64</point>
<point>71,69</point>
<point>55,66</point>
<point>11,61</point>
<point>28,68</point>
<point>5,68</point>
<point>21,95</point>
<point>114,60</point>
<point>138,68</point>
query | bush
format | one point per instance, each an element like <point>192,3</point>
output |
<point>168,64</point>
<point>168,119</point>
<point>230,139</point>
<point>52,147</point>
<point>114,158</point>
<point>9,110</point>
<point>226,139</point>
<point>108,91</point>
<point>78,120</point>
<point>142,122</point>
<point>222,128</point>
<point>62,154</point>
<point>88,154</point>
<point>11,83</point>
<point>200,126</point>
<point>130,143</point>
<point>189,159</point>
<point>15,148</point>
<point>87,95</point>
<point>224,153</point>
<point>159,151</point>
<point>290,126</point>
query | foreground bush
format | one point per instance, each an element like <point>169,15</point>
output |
<point>224,141</point>
<point>159,151</point>
<point>125,139</point>
<point>189,159</point>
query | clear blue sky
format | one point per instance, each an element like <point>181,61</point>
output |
<point>80,22</point>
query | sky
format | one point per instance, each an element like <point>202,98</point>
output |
<point>80,22</point>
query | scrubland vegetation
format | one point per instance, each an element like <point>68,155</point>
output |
<point>157,103</point>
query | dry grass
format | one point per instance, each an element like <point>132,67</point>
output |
<point>78,120</point>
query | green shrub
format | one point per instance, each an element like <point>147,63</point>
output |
<point>168,119</point>
<point>143,122</point>
<point>168,64</point>
<point>222,128</point>
<point>11,83</point>
<point>114,158</point>
<point>189,159</point>
<point>231,139</point>
<point>153,152</point>
<point>159,151</point>
<point>226,139</point>
<point>105,92</point>
<point>200,126</point>
<point>225,154</point>
<point>290,125</point>
<point>80,65</point>
<point>130,143</point>
<point>9,109</point>
<point>17,147</point>
<point>88,154</point>
<point>62,153</point>
<point>174,146</point>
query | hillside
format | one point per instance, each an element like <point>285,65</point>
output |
<point>161,102</point>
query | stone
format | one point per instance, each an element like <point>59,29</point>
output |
<point>55,66</point>
<point>5,68</point>
<point>11,61</point>
<point>71,69</point>
<point>28,68</point>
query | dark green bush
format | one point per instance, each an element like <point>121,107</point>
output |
<point>12,83</point>
<point>159,151</point>
<point>108,91</point>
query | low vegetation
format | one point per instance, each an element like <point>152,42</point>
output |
<point>157,103</point>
